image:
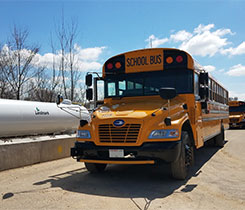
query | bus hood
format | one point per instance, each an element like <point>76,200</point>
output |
<point>138,109</point>
<point>236,116</point>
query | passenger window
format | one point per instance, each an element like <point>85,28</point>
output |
<point>196,85</point>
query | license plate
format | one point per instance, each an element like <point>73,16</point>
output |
<point>234,124</point>
<point>116,153</point>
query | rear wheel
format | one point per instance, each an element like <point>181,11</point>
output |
<point>220,139</point>
<point>181,166</point>
<point>95,167</point>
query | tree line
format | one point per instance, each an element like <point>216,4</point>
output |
<point>22,78</point>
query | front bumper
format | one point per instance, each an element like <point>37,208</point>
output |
<point>237,124</point>
<point>147,153</point>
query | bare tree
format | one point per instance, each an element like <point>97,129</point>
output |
<point>16,61</point>
<point>74,73</point>
<point>55,78</point>
<point>66,34</point>
<point>41,88</point>
<point>5,90</point>
<point>61,35</point>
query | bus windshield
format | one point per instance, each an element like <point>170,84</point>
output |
<point>148,83</point>
<point>237,108</point>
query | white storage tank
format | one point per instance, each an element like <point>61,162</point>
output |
<point>22,118</point>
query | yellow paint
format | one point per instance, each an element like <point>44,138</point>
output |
<point>149,112</point>
<point>236,117</point>
<point>60,149</point>
<point>145,60</point>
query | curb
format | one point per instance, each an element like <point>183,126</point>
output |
<point>28,153</point>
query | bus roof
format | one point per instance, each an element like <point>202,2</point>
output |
<point>236,103</point>
<point>151,59</point>
<point>145,60</point>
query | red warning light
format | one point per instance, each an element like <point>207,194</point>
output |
<point>109,66</point>
<point>179,59</point>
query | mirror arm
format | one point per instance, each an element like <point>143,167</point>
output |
<point>93,72</point>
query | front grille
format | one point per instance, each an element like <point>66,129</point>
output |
<point>126,134</point>
<point>234,120</point>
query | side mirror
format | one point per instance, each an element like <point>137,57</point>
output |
<point>59,99</point>
<point>167,93</point>
<point>88,80</point>
<point>203,78</point>
<point>89,94</point>
<point>204,106</point>
<point>203,92</point>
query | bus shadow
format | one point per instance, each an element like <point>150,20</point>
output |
<point>238,128</point>
<point>130,181</point>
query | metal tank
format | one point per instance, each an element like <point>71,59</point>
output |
<point>22,118</point>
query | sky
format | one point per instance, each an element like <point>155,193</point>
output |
<point>212,31</point>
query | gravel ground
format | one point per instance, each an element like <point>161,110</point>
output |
<point>217,181</point>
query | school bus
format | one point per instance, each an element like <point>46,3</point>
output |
<point>237,114</point>
<point>159,105</point>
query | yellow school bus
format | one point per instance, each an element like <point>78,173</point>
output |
<point>237,114</point>
<point>159,105</point>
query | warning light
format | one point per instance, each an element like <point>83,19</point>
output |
<point>179,59</point>
<point>169,60</point>
<point>118,65</point>
<point>109,66</point>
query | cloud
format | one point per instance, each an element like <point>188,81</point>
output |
<point>155,42</point>
<point>202,28</point>
<point>209,68</point>
<point>237,70</point>
<point>9,53</point>
<point>203,41</point>
<point>85,59</point>
<point>88,54</point>
<point>241,96</point>
<point>239,50</point>
<point>181,36</point>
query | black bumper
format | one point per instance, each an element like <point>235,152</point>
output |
<point>157,151</point>
<point>238,124</point>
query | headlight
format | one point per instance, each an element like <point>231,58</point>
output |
<point>162,134</point>
<point>83,134</point>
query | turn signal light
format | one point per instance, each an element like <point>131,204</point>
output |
<point>118,65</point>
<point>169,60</point>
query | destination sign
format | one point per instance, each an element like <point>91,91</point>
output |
<point>148,60</point>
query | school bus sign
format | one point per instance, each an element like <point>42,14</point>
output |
<point>148,60</point>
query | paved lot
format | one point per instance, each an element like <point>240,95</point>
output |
<point>216,182</point>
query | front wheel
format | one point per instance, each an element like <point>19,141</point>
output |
<point>181,166</point>
<point>95,167</point>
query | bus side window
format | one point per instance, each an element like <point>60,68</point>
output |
<point>196,86</point>
<point>210,89</point>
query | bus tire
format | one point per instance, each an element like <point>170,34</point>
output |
<point>95,167</point>
<point>220,139</point>
<point>181,166</point>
